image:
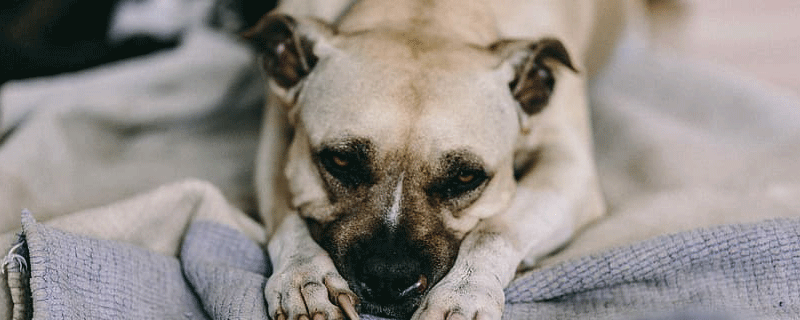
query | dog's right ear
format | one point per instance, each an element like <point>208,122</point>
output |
<point>287,46</point>
<point>533,63</point>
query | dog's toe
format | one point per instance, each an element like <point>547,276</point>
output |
<point>309,291</point>
<point>315,296</point>
<point>321,298</point>
<point>462,299</point>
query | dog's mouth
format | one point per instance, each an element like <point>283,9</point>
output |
<point>390,277</point>
<point>389,290</point>
<point>395,311</point>
<point>394,299</point>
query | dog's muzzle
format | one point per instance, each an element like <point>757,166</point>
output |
<point>389,275</point>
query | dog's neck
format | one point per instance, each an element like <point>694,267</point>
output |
<point>468,21</point>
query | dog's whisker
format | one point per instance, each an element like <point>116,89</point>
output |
<point>346,303</point>
<point>366,287</point>
<point>408,290</point>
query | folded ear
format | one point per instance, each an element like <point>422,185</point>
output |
<point>287,46</point>
<point>533,80</point>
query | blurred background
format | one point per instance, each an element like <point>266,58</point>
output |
<point>43,37</point>
<point>46,37</point>
<point>760,38</point>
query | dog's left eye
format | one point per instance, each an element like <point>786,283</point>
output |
<point>459,182</point>
<point>466,177</point>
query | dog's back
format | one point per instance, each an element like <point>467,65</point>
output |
<point>593,27</point>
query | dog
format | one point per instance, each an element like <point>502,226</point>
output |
<point>416,154</point>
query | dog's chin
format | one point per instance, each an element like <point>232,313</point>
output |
<point>402,310</point>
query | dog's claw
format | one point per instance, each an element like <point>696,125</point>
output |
<point>346,303</point>
<point>280,316</point>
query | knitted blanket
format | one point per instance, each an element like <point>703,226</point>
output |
<point>724,272</point>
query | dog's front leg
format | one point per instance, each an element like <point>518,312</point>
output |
<point>555,198</point>
<point>489,255</point>
<point>305,283</point>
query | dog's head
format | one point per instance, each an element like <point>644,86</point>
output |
<point>403,142</point>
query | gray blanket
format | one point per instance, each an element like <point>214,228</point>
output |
<point>700,166</point>
<point>749,269</point>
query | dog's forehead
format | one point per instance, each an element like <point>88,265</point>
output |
<point>474,113</point>
<point>441,100</point>
<point>414,49</point>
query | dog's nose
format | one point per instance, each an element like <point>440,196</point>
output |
<point>389,278</point>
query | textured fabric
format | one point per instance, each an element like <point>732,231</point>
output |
<point>738,270</point>
<point>724,272</point>
<point>220,275</point>
<point>78,277</point>
<point>227,270</point>
<point>143,256</point>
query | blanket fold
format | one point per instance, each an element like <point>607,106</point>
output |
<point>227,270</point>
<point>215,269</point>
<point>15,268</point>
<point>135,265</point>
<point>79,277</point>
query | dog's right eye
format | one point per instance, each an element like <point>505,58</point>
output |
<point>349,168</point>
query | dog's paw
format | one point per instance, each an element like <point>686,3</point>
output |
<point>460,297</point>
<point>309,289</point>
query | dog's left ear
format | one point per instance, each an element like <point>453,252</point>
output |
<point>288,47</point>
<point>533,80</point>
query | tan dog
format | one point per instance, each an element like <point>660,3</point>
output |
<point>430,148</point>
